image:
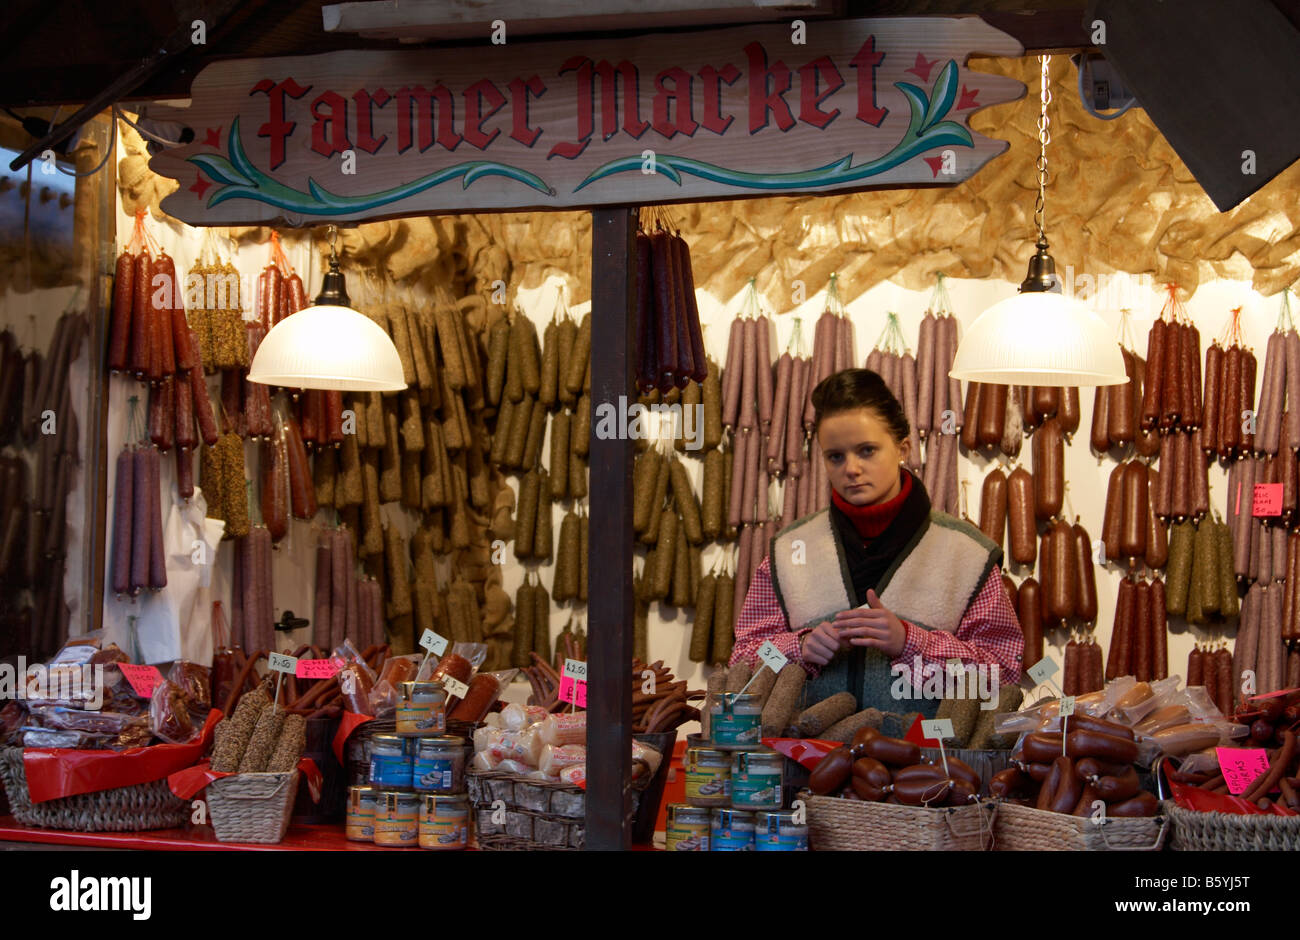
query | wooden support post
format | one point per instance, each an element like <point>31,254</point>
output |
<point>609,609</point>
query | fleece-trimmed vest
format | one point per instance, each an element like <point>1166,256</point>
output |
<point>930,584</point>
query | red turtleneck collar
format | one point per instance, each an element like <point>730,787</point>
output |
<point>870,521</point>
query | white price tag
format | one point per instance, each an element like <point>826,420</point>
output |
<point>575,669</point>
<point>937,729</point>
<point>1043,670</point>
<point>454,686</point>
<point>281,663</point>
<point>435,644</point>
<point>772,657</point>
<point>1067,706</point>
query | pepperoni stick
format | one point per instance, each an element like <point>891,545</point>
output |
<point>1211,429</point>
<point>123,517</point>
<point>1099,437</point>
<point>794,436</point>
<point>1292,419</point>
<point>1192,371</point>
<point>1230,416</point>
<point>749,377</point>
<point>1247,399</point>
<point>1157,541</point>
<point>1085,576</point>
<point>153,495</point>
<point>925,349</point>
<point>763,356</point>
<point>776,439</point>
<point>731,375</point>
<point>141,323</point>
<point>945,364</point>
<point>120,327</point>
<point>1159,632</point>
<point>1153,393</point>
<point>939,378</point>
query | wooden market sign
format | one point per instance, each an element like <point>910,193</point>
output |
<point>747,111</point>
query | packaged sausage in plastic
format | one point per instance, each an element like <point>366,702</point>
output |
<point>570,728</point>
<point>194,680</point>
<point>61,718</point>
<point>555,759</point>
<point>385,694</point>
<point>169,716</point>
<point>516,717</point>
<point>576,775</point>
<point>356,681</point>
<point>484,690</point>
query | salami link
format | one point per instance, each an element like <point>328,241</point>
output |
<point>119,331</point>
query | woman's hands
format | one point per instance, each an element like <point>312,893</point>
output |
<point>874,626</point>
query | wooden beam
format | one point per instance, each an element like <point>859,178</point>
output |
<point>609,608</point>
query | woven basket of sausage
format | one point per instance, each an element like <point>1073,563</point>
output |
<point>123,809</point>
<point>252,807</point>
<point>1026,829</point>
<point>840,825</point>
<point>1195,831</point>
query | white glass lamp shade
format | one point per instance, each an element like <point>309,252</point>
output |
<point>330,347</point>
<point>1039,338</point>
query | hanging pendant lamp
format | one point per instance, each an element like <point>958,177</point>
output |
<point>329,345</point>
<point>1040,336</point>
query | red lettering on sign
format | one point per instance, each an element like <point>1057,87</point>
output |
<point>276,127</point>
<point>810,98</point>
<point>712,118</point>
<point>329,131</point>
<point>364,99</point>
<point>679,96</point>
<point>767,85</point>
<point>519,92</point>
<point>423,100</point>
<point>866,62</point>
<point>611,77</point>
<point>475,95</point>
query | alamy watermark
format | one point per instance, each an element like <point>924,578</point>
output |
<point>64,682</point>
<point>920,680</point>
<point>649,422</point>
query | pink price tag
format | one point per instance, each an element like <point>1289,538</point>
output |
<point>1267,500</point>
<point>143,679</point>
<point>1242,766</point>
<point>573,691</point>
<point>316,669</point>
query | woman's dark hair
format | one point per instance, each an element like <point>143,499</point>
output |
<point>859,388</point>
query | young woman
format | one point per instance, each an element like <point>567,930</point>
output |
<point>863,592</point>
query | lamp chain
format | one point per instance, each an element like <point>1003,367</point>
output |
<point>1044,137</point>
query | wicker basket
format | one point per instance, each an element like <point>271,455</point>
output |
<point>1195,831</point>
<point>839,825</point>
<point>122,809</point>
<point>539,814</point>
<point>1026,829</point>
<point>252,807</point>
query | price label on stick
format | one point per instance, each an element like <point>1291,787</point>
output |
<point>435,644</point>
<point>454,686</point>
<point>316,669</point>
<point>143,679</point>
<point>937,729</point>
<point>573,683</point>
<point>281,663</point>
<point>1241,766</point>
<point>1067,706</point>
<point>1266,500</point>
<point>1043,670</point>
<point>772,657</point>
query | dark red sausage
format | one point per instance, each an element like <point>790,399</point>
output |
<point>200,401</point>
<point>1157,550</point>
<point>993,506</point>
<point>1113,518</point>
<point>1059,571</point>
<point>1085,575</point>
<point>1029,611</point>
<point>1211,425</point>
<point>1100,436</point>
<point>992,415</point>
<point>1049,469</point>
<point>161,300</point>
<point>1247,397</point>
<point>970,420</point>
<point>301,489</point>
<point>1230,416</point>
<point>185,472</point>
<point>334,416</point>
<point>123,517</point>
<point>141,320</point>
<point>1070,682</point>
<point>162,413</point>
<point>1159,632</point>
<point>1135,507</point>
<point>1120,410</point>
<point>1174,403</point>
<point>663,304</point>
<point>296,295</point>
<point>1020,517</point>
<point>275,483</point>
<point>1142,634</point>
<point>153,494</point>
<point>1117,659</point>
<point>1153,393</point>
<point>183,393</point>
<point>1192,372</point>
<point>119,331</point>
<point>691,310</point>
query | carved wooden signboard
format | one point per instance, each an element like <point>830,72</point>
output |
<point>756,110</point>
